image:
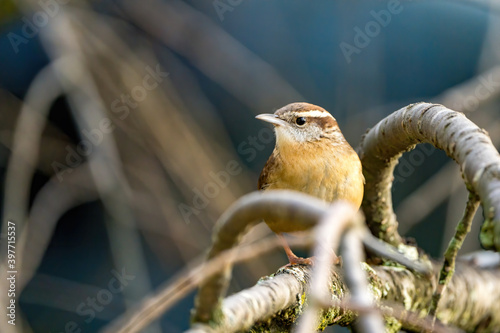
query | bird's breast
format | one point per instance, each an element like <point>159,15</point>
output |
<point>330,177</point>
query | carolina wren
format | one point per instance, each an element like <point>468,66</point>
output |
<point>311,156</point>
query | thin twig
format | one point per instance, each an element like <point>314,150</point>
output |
<point>186,280</point>
<point>61,39</point>
<point>387,251</point>
<point>230,71</point>
<point>450,255</point>
<point>357,282</point>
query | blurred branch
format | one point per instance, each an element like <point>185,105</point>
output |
<point>340,224</point>
<point>62,40</point>
<point>152,307</point>
<point>470,95</point>
<point>217,54</point>
<point>77,188</point>
<point>144,125</point>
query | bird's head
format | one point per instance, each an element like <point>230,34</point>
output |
<point>299,123</point>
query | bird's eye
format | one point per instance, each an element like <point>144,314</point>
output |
<point>300,121</point>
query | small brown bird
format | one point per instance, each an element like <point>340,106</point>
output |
<point>311,156</point>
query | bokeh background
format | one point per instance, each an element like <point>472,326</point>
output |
<point>127,127</point>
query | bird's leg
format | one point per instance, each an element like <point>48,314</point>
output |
<point>292,258</point>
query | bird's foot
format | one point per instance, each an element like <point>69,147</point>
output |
<point>294,260</point>
<point>337,260</point>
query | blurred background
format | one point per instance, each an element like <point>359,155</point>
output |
<point>127,128</point>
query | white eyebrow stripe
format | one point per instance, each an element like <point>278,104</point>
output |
<point>315,113</point>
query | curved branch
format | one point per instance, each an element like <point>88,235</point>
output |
<point>292,208</point>
<point>448,130</point>
<point>46,212</point>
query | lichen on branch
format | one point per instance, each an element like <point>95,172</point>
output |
<point>276,302</point>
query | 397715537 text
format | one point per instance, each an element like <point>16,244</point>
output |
<point>11,273</point>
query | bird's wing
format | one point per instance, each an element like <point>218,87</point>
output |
<point>265,175</point>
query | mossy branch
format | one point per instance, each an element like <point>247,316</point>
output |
<point>277,301</point>
<point>294,210</point>
<point>451,252</point>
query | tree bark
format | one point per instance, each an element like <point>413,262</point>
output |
<point>275,303</point>
<point>461,139</point>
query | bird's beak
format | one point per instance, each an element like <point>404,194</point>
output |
<point>271,118</point>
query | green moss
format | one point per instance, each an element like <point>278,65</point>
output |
<point>392,325</point>
<point>284,320</point>
<point>487,235</point>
